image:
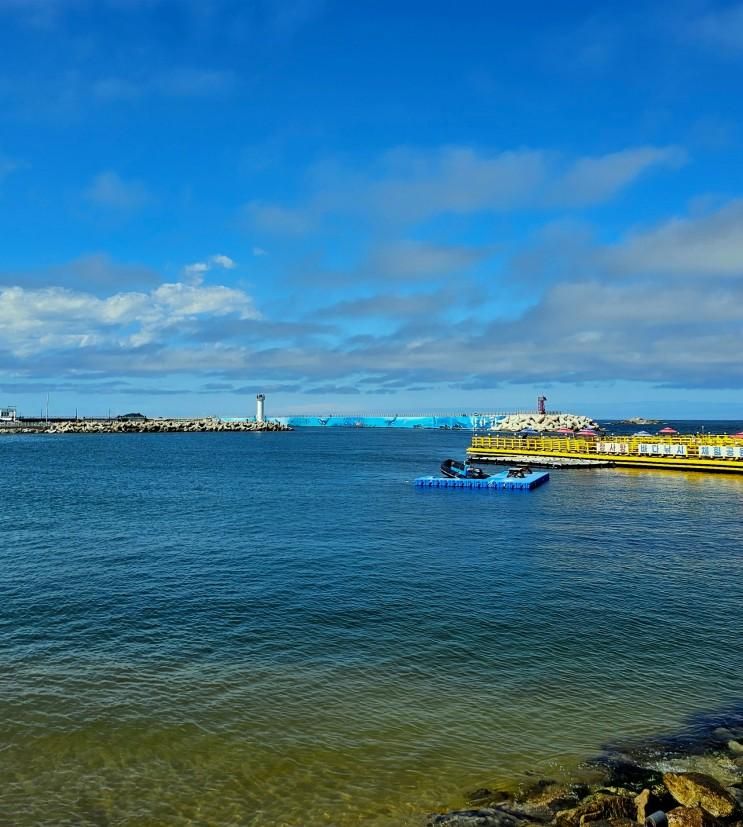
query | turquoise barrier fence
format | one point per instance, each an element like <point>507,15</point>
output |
<point>462,422</point>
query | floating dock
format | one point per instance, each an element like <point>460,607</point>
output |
<point>500,481</point>
<point>718,453</point>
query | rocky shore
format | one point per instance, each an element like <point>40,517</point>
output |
<point>149,426</point>
<point>546,422</point>
<point>681,781</point>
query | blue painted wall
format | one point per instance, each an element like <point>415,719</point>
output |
<point>466,422</point>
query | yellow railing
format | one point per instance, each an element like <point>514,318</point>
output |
<point>626,445</point>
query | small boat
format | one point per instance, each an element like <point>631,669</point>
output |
<point>462,470</point>
<point>519,472</point>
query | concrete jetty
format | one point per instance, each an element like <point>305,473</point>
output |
<point>144,426</point>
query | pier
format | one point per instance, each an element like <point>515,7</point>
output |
<point>718,453</point>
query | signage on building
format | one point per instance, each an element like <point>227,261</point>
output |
<point>661,449</point>
<point>721,451</point>
<point>612,448</point>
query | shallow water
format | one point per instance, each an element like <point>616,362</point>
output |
<point>276,629</point>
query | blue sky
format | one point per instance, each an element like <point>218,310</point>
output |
<point>362,207</point>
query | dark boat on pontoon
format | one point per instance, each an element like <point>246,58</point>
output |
<point>462,470</point>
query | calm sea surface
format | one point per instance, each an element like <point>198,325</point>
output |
<point>279,629</point>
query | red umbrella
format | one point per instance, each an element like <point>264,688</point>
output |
<point>569,431</point>
<point>739,435</point>
<point>587,432</point>
<point>667,431</point>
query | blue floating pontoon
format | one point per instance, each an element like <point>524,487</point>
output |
<point>514,478</point>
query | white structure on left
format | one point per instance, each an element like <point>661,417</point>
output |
<point>259,410</point>
<point>8,414</point>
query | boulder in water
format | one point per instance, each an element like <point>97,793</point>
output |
<point>693,789</point>
<point>688,817</point>
<point>603,806</point>
<point>480,817</point>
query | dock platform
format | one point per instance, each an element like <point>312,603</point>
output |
<point>716,453</point>
<point>501,481</point>
<point>539,461</point>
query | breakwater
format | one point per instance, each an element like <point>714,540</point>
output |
<point>145,426</point>
<point>545,422</point>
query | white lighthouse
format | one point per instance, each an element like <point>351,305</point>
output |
<point>259,414</point>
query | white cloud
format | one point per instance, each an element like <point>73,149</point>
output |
<point>194,272</point>
<point>594,180</point>
<point>406,186</point>
<point>663,305</point>
<point>706,245</point>
<point>420,260</point>
<point>54,317</point>
<point>223,261</point>
<point>109,190</point>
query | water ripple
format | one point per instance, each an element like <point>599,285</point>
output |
<point>184,641</point>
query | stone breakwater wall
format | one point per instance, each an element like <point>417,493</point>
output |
<point>157,426</point>
<point>545,422</point>
<point>658,785</point>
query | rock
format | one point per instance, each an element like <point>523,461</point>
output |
<point>693,788</point>
<point>735,746</point>
<point>623,772</point>
<point>545,422</point>
<point>532,811</point>
<point>614,822</point>
<point>644,806</point>
<point>598,807</point>
<point>159,426</point>
<point>615,790</point>
<point>480,817</point>
<point>688,817</point>
<point>551,797</point>
<point>723,733</point>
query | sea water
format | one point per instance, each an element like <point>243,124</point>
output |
<point>280,629</point>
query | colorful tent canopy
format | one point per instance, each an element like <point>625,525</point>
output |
<point>667,431</point>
